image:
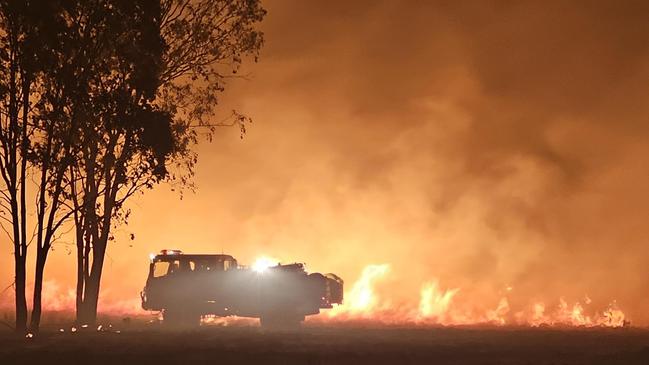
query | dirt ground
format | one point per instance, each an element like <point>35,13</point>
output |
<point>133,344</point>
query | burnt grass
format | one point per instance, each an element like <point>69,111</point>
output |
<point>149,344</point>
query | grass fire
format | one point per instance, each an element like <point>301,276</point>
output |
<point>324,181</point>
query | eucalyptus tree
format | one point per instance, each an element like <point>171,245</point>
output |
<point>168,62</point>
<point>28,45</point>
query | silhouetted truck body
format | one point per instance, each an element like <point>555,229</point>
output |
<point>185,287</point>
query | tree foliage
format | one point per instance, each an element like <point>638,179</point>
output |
<point>168,73</point>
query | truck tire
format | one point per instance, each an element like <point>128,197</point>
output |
<point>180,318</point>
<point>281,320</point>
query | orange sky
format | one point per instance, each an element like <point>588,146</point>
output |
<point>486,145</point>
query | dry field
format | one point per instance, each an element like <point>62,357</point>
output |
<point>153,344</point>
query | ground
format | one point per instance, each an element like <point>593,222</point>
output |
<point>153,344</point>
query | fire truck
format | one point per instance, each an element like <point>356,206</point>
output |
<point>185,287</point>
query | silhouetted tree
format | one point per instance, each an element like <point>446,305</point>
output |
<point>61,113</point>
<point>166,65</point>
<point>28,41</point>
<point>14,91</point>
<point>112,50</point>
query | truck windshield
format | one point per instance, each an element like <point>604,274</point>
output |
<point>166,266</point>
<point>160,268</point>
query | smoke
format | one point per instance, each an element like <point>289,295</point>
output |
<point>60,297</point>
<point>483,146</point>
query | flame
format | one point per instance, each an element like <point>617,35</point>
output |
<point>538,314</point>
<point>613,317</point>
<point>447,307</point>
<point>361,299</point>
<point>498,315</point>
<point>434,303</point>
<point>228,321</point>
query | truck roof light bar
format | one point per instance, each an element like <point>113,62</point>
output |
<point>171,252</point>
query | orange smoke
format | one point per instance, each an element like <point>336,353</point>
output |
<point>60,298</point>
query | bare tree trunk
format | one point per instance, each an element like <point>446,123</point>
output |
<point>21,302</point>
<point>99,234</point>
<point>87,312</point>
<point>93,280</point>
<point>23,165</point>
<point>44,245</point>
<point>91,293</point>
<point>41,258</point>
<point>80,270</point>
<point>20,259</point>
<point>20,247</point>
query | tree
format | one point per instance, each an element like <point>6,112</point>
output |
<point>121,141</point>
<point>14,91</point>
<point>68,67</point>
<point>24,55</point>
<point>170,63</point>
<point>35,134</point>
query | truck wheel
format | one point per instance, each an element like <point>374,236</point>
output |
<point>281,321</point>
<point>180,318</point>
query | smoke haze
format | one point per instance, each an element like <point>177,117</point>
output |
<point>486,145</point>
